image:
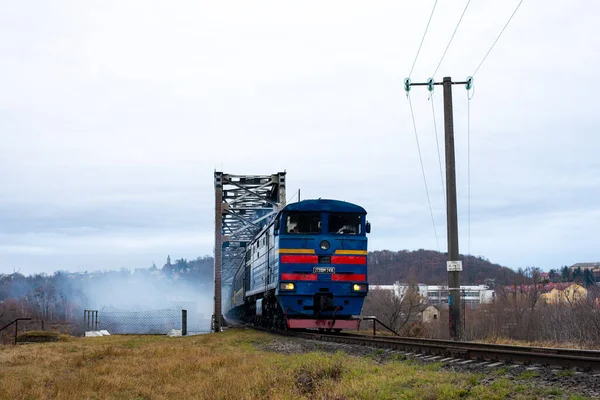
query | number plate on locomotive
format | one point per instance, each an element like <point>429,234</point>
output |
<point>323,270</point>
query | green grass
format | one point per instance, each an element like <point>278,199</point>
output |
<point>554,392</point>
<point>501,371</point>
<point>565,373</point>
<point>529,374</point>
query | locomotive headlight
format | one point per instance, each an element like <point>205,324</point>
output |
<point>359,288</point>
<point>324,245</point>
<point>286,286</point>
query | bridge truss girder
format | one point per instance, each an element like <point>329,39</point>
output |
<point>244,204</point>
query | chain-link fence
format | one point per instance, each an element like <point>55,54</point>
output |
<point>119,321</point>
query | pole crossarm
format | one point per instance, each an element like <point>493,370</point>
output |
<point>244,204</point>
<point>431,83</point>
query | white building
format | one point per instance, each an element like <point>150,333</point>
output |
<point>435,294</point>
<point>475,294</point>
<point>400,289</point>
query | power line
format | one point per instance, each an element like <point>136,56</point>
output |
<point>422,39</point>
<point>423,171</point>
<point>451,37</point>
<point>493,44</point>
<point>291,198</point>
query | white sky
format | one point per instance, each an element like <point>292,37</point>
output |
<point>115,114</point>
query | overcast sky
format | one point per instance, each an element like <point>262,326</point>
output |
<point>115,114</point>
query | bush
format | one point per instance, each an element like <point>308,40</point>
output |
<point>42,337</point>
<point>416,329</point>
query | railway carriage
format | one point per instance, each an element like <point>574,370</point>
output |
<point>306,269</point>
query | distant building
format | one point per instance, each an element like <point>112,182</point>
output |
<point>436,294</point>
<point>566,293</point>
<point>429,313</point>
<point>473,294</point>
<point>592,266</point>
<point>400,289</point>
<point>381,287</point>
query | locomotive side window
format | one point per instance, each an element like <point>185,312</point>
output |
<point>345,224</point>
<point>303,223</point>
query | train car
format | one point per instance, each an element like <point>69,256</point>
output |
<point>306,269</point>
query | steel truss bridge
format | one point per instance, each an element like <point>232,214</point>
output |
<point>244,204</point>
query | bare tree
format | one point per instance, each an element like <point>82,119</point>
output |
<point>394,310</point>
<point>44,298</point>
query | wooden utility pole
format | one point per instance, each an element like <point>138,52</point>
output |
<point>453,265</point>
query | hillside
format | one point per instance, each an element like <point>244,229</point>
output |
<point>385,267</point>
<point>427,266</point>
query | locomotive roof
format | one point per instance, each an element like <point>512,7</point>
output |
<point>325,205</point>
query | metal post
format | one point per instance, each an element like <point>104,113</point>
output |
<point>452,215</point>
<point>184,322</point>
<point>218,249</point>
<point>464,315</point>
<point>374,327</point>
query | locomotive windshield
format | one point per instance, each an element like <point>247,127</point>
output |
<point>345,224</point>
<point>303,223</point>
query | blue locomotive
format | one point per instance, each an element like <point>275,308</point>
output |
<point>306,269</point>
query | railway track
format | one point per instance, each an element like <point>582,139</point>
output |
<point>464,352</point>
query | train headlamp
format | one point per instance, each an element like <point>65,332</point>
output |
<point>286,286</point>
<point>324,245</point>
<point>359,288</point>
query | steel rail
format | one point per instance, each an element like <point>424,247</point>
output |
<point>545,356</point>
<point>566,358</point>
<point>492,346</point>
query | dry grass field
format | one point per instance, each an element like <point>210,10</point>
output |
<point>230,365</point>
<point>541,343</point>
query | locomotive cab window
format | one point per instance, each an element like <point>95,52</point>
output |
<point>303,223</point>
<point>345,224</point>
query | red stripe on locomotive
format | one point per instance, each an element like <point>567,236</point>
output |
<point>297,259</point>
<point>349,277</point>
<point>358,260</point>
<point>298,277</point>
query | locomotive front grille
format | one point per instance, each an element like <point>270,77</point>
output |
<point>323,302</point>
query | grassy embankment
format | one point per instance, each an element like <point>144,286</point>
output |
<point>225,366</point>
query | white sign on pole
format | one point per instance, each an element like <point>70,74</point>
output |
<point>454,266</point>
